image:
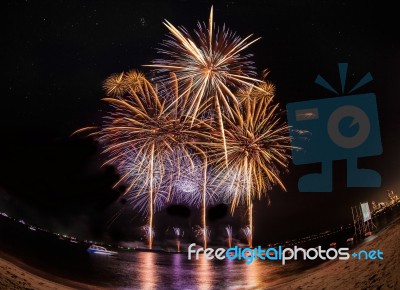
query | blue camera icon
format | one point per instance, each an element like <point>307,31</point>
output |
<point>344,127</point>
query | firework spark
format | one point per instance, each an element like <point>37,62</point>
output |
<point>265,90</point>
<point>148,233</point>
<point>202,233</point>
<point>132,168</point>
<point>212,62</point>
<point>191,176</point>
<point>178,235</point>
<point>248,234</point>
<point>178,232</point>
<point>229,233</point>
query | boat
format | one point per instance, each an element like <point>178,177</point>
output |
<point>94,249</point>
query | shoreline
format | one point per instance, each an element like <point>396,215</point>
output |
<point>351,273</point>
<point>356,274</point>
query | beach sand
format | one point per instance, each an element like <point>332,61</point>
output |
<point>15,275</point>
<point>350,274</point>
<point>357,274</point>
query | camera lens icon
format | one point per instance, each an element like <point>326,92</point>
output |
<point>345,127</point>
<point>358,116</point>
<point>340,128</point>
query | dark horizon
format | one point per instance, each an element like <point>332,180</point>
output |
<point>58,54</point>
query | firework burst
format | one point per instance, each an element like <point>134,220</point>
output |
<point>140,136</point>
<point>132,168</point>
<point>207,131</point>
<point>115,85</point>
<point>178,235</point>
<point>257,149</point>
<point>148,233</point>
<point>262,91</point>
<point>248,234</point>
<point>178,232</point>
<point>212,63</point>
<point>191,177</point>
<point>202,233</point>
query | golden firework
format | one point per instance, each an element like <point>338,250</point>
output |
<point>257,150</point>
<point>213,63</point>
<point>205,130</point>
<point>142,136</point>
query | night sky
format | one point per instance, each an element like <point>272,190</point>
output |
<point>55,55</point>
